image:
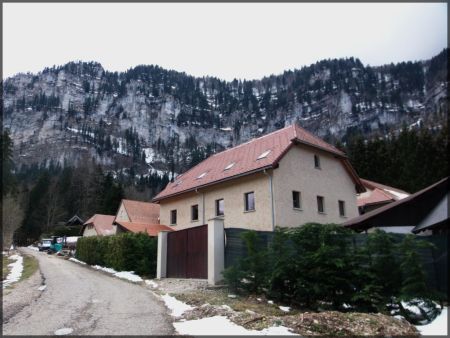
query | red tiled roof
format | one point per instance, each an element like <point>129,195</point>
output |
<point>150,229</point>
<point>375,196</point>
<point>245,159</point>
<point>142,212</point>
<point>103,224</point>
<point>373,185</point>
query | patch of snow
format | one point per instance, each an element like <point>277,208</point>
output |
<point>149,155</point>
<point>232,296</point>
<point>16,270</point>
<point>151,283</point>
<point>102,268</point>
<point>175,306</point>
<point>226,307</point>
<point>221,324</point>
<point>413,308</point>
<point>270,301</point>
<point>438,327</point>
<point>285,308</point>
<point>42,287</point>
<point>226,129</point>
<point>76,261</point>
<point>129,275</point>
<point>32,247</point>
<point>397,194</point>
<point>63,331</point>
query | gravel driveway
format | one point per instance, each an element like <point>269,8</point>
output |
<point>82,301</point>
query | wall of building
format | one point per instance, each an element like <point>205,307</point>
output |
<point>89,230</point>
<point>296,171</point>
<point>122,214</point>
<point>233,194</point>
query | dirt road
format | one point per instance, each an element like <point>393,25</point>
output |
<point>81,301</point>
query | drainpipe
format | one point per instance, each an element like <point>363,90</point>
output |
<point>271,198</point>
<point>203,205</point>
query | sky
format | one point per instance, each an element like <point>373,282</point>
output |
<point>246,41</point>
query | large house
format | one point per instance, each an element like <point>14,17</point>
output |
<point>286,178</point>
<point>136,216</point>
<point>377,195</point>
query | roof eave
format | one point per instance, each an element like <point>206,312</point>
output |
<point>158,199</point>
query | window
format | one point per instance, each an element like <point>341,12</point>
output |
<point>194,212</point>
<point>342,208</point>
<point>320,204</point>
<point>173,217</point>
<point>296,203</point>
<point>249,201</point>
<point>263,155</point>
<point>316,162</point>
<point>230,166</point>
<point>220,206</point>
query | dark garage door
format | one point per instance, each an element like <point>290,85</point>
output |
<point>187,253</point>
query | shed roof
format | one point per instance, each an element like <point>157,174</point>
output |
<point>258,154</point>
<point>103,224</point>
<point>404,212</point>
<point>142,212</point>
<point>150,229</point>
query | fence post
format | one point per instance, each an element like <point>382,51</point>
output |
<point>161,264</point>
<point>216,250</point>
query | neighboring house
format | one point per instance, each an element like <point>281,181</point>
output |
<point>286,178</point>
<point>74,220</point>
<point>99,225</point>
<point>425,212</point>
<point>136,216</point>
<point>377,195</point>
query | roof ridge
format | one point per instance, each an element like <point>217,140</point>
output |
<point>254,140</point>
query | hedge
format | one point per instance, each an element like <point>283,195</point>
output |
<point>123,252</point>
<point>317,266</point>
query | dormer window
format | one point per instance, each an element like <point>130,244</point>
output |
<point>202,175</point>
<point>229,166</point>
<point>264,154</point>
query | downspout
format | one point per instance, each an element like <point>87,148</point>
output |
<point>271,198</point>
<point>203,205</point>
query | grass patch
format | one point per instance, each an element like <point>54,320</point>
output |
<point>30,265</point>
<point>5,268</point>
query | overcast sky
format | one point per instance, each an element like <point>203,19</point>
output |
<point>224,40</point>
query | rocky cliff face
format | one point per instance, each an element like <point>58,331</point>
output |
<point>152,119</point>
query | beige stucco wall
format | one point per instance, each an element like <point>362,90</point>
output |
<point>296,172</point>
<point>89,231</point>
<point>233,194</point>
<point>122,214</point>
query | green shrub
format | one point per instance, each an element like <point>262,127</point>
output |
<point>123,252</point>
<point>320,266</point>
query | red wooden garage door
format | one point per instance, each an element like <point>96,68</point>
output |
<point>187,253</point>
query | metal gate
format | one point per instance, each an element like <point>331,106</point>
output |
<point>187,253</point>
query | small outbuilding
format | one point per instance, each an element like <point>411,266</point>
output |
<point>99,225</point>
<point>424,212</point>
<point>137,216</point>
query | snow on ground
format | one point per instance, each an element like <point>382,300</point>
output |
<point>220,325</point>
<point>438,327</point>
<point>285,308</point>
<point>177,307</point>
<point>151,283</point>
<point>32,247</point>
<point>128,275</point>
<point>16,270</point>
<point>76,261</point>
